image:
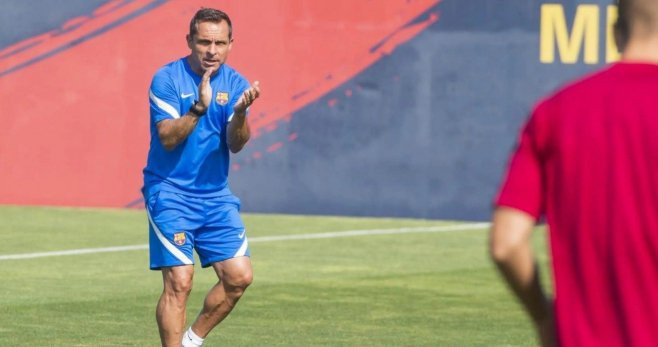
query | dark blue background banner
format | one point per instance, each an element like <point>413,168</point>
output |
<point>428,129</point>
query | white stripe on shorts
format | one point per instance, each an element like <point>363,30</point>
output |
<point>171,248</point>
<point>243,248</point>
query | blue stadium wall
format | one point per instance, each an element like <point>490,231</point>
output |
<point>422,128</point>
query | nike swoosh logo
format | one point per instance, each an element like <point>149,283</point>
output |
<point>241,236</point>
<point>184,96</point>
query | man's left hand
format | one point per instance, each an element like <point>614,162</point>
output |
<point>247,98</point>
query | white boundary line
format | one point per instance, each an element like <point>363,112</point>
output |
<point>327,235</point>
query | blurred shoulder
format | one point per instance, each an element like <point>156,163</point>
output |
<point>582,88</point>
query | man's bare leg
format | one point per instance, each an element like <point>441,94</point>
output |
<point>170,312</point>
<point>235,275</point>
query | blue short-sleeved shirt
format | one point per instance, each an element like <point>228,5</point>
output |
<point>199,165</point>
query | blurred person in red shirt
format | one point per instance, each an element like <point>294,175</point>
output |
<point>587,161</point>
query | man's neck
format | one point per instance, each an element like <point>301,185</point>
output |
<point>641,51</point>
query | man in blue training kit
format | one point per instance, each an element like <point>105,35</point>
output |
<point>198,113</point>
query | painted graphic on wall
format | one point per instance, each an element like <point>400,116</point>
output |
<point>396,108</point>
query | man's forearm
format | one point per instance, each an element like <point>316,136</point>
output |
<point>174,131</point>
<point>238,132</point>
<point>511,250</point>
<point>526,285</point>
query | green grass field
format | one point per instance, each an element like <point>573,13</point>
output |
<point>410,289</point>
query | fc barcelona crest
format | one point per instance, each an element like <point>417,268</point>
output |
<point>179,238</point>
<point>222,98</point>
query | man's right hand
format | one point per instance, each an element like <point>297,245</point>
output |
<point>205,91</point>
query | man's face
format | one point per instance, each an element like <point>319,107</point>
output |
<point>210,45</point>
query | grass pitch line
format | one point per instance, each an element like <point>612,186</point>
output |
<point>348,233</point>
<point>72,252</point>
<point>327,235</point>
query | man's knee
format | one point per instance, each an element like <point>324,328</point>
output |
<point>178,283</point>
<point>242,280</point>
<point>246,279</point>
<point>238,282</point>
<point>179,289</point>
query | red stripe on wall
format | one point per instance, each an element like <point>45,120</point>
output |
<point>75,125</point>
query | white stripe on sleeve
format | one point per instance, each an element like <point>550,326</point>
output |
<point>170,110</point>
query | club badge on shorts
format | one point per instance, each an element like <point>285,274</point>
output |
<point>179,238</point>
<point>222,98</point>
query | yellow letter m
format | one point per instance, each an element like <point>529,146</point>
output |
<point>554,33</point>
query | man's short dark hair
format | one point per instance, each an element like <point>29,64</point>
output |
<point>636,17</point>
<point>209,15</point>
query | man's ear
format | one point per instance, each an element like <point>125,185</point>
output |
<point>189,40</point>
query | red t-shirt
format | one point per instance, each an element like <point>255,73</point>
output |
<point>588,160</point>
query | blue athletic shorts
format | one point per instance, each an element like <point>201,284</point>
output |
<point>179,223</point>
